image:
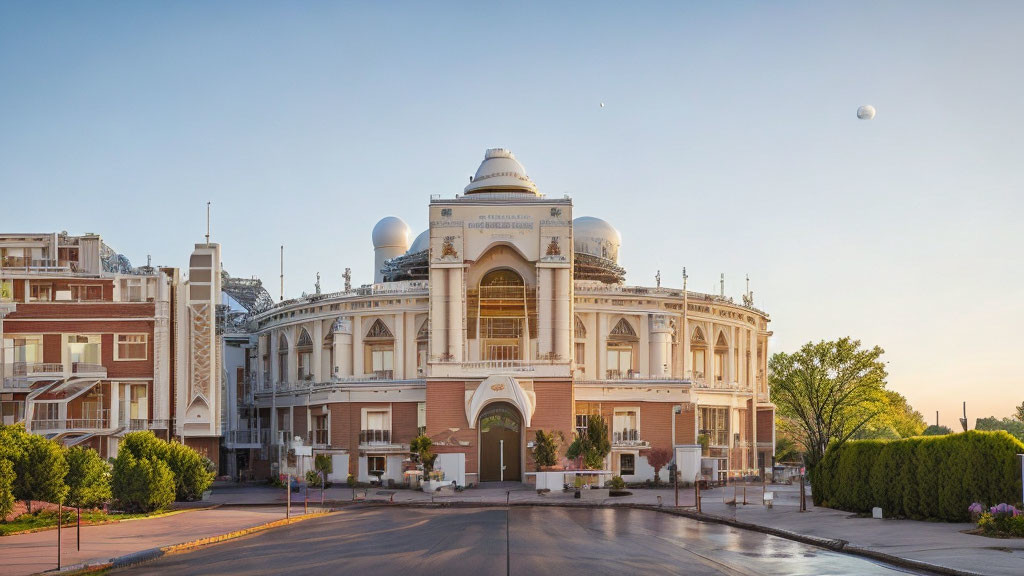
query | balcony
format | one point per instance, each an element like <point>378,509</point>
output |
<point>553,368</point>
<point>244,438</point>
<point>628,439</point>
<point>716,437</point>
<point>371,437</point>
<point>69,424</point>
<point>84,369</point>
<point>136,424</point>
<point>37,369</point>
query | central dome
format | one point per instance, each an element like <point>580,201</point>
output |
<point>501,172</point>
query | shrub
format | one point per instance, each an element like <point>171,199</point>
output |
<point>193,473</point>
<point>323,463</point>
<point>592,445</point>
<point>6,488</point>
<point>143,484</point>
<point>934,477</point>
<point>658,458</point>
<point>88,478</point>
<point>545,450</point>
<point>351,481</point>
<point>616,483</point>
<point>1001,520</point>
<point>38,463</point>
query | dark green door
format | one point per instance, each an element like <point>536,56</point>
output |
<point>500,443</point>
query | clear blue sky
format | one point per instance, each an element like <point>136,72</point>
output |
<point>728,143</point>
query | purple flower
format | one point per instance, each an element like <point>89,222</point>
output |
<point>975,509</point>
<point>1004,509</point>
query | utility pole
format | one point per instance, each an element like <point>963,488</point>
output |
<point>207,222</point>
<point>282,272</point>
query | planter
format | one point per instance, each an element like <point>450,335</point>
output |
<point>594,494</point>
<point>433,485</point>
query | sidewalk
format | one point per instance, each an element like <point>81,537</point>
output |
<point>940,545</point>
<point>37,552</point>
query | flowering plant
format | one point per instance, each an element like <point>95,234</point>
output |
<point>1000,520</point>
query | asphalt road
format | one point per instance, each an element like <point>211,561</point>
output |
<point>561,541</point>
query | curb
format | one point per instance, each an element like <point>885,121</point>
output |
<point>154,553</point>
<point>113,521</point>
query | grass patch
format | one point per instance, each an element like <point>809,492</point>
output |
<point>45,519</point>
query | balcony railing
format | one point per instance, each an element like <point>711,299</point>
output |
<point>69,424</point>
<point>159,424</point>
<point>37,368</point>
<point>138,424</point>
<point>245,436</point>
<point>513,365</point>
<point>87,368</point>
<point>716,437</point>
<point>628,438</point>
<point>375,436</point>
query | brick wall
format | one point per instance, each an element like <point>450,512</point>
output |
<point>52,348</point>
<point>765,424</point>
<point>554,413</point>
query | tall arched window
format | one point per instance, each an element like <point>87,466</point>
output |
<point>721,357</point>
<point>698,349</point>
<point>422,341</point>
<point>304,355</point>
<point>502,314</point>
<point>622,351</point>
<point>282,358</point>
<point>379,345</point>
<point>580,350</point>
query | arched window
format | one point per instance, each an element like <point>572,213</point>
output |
<point>282,358</point>
<point>422,349</point>
<point>580,348</point>
<point>698,351</point>
<point>502,314</point>
<point>379,350</point>
<point>721,357</point>
<point>304,355</point>
<point>622,351</point>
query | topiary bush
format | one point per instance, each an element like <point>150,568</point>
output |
<point>936,477</point>
<point>88,478</point>
<point>192,473</point>
<point>6,488</point>
<point>141,484</point>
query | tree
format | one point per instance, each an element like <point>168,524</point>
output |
<point>38,464</point>
<point>88,478</point>
<point>141,484</point>
<point>1019,413</point>
<point>545,449</point>
<point>786,449</point>
<point>593,445</point>
<point>1012,425</point>
<point>421,446</point>
<point>6,488</point>
<point>828,391</point>
<point>936,430</point>
<point>658,458</point>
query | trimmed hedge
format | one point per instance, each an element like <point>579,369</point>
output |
<point>935,477</point>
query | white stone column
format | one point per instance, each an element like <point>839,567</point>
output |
<point>661,348</point>
<point>357,346</point>
<point>318,351</point>
<point>343,351</point>
<point>115,404</point>
<point>275,356</point>
<point>545,297</point>
<point>685,365</point>
<point>644,365</point>
<point>563,325</point>
<point>409,359</point>
<point>438,317</point>
<point>399,354</point>
<point>293,355</point>
<point>455,309</point>
<point>602,346</point>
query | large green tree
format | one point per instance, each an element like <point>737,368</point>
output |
<point>827,391</point>
<point>1019,412</point>
<point>592,445</point>
<point>897,420</point>
<point>1012,425</point>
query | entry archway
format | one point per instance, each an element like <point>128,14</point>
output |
<point>501,439</point>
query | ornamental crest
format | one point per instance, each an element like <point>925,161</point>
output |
<point>448,247</point>
<point>498,386</point>
<point>553,248</point>
<point>556,212</point>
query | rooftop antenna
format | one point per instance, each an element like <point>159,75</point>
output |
<point>963,421</point>
<point>207,222</point>
<point>282,272</point>
<point>149,260</point>
<point>722,286</point>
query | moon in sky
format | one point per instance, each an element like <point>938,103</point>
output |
<point>866,112</point>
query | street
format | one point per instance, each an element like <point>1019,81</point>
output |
<point>560,541</point>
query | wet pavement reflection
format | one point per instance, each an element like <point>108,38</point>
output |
<point>562,541</point>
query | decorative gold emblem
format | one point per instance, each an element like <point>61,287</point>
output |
<point>448,247</point>
<point>498,386</point>
<point>553,248</point>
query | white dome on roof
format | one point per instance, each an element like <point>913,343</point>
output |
<point>596,237</point>
<point>421,243</point>
<point>391,232</point>
<point>500,172</point>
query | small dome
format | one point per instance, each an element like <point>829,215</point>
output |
<point>501,172</point>
<point>596,237</point>
<point>391,232</point>
<point>421,243</point>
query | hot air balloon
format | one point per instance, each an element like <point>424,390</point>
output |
<point>866,112</point>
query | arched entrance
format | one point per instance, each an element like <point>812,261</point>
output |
<point>500,443</point>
